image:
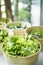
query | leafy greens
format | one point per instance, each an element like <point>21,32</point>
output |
<point>21,46</point>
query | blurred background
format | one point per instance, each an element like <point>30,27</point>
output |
<point>22,10</point>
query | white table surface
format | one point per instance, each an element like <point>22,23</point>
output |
<point>39,62</point>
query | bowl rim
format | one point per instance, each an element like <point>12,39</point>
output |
<point>16,22</point>
<point>4,29</point>
<point>34,27</point>
<point>39,38</point>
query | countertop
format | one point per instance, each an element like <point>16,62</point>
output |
<point>39,62</point>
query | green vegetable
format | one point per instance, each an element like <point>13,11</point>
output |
<point>14,26</point>
<point>21,46</point>
<point>19,25</point>
<point>3,34</point>
<point>37,33</point>
<point>2,22</point>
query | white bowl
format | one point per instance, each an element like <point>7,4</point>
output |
<point>18,31</point>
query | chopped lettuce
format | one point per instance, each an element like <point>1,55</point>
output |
<point>3,34</point>
<point>18,25</point>
<point>37,33</point>
<point>21,46</point>
<point>3,22</point>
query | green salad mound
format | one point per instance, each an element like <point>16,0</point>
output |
<point>3,22</point>
<point>21,46</point>
<point>3,34</point>
<point>18,25</point>
<point>37,33</point>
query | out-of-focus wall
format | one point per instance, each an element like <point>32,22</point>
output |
<point>41,13</point>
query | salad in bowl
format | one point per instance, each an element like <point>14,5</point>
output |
<point>19,50</point>
<point>3,34</point>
